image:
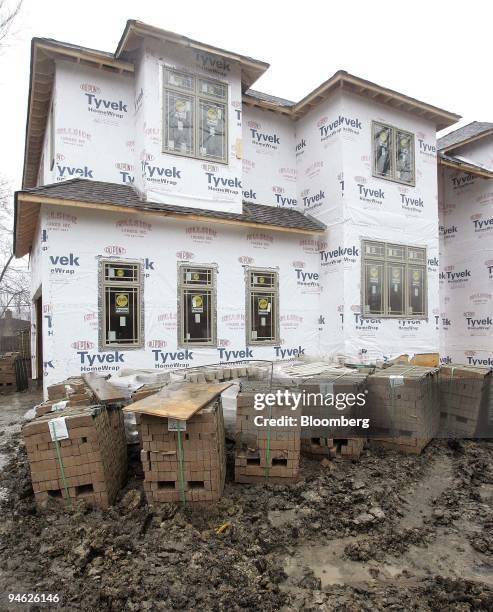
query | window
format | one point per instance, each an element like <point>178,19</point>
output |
<point>197,305</point>
<point>262,306</point>
<point>195,116</point>
<point>394,280</point>
<point>393,153</point>
<point>121,304</point>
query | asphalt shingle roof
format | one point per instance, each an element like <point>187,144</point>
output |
<point>464,133</point>
<point>98,192</point>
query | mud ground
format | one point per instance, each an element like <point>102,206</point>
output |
<point>388,532</point>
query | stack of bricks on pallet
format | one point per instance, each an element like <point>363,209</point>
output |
<point>466,400</point>
<point>403,406</point>
<point>265,453</point>
<point>7,371</point>
<point>212,374</point>
<point>73,391</point>
<point>338,441</point>
<point>200,474</point>
<point>91,463</point>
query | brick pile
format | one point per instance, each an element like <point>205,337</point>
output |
<point>335,442</point>
<point>403,407</point>
<point>203,460</point>
<point>93,459</point>
<point>466,399</point>
<point>265,453</point>
<point>71,392</point>
<point>7,371</point>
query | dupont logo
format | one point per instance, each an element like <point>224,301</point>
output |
<point>185,255</point>
<point>339,255</point>
<point>312,245</point>
<point>245,260</point>
<point>258,137</point>
<point>212,63</point>
<point>160,174</point>
<point>459,182</point>
<point>455,277</point>
<point>82,345</point>
<point>91,316</point>
<point>224,342</point>
<point>90,88</point>
<point>311,201</point>
<point>481,224</point>
<point>328,129</point>
<point>67,172</point>
<point>201,234</point>
<point>157,344</point>
<point>126,172</point>
<point>114,249</point>
<point>260,240</point>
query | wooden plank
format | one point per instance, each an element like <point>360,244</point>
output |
<point>178,400</point>
<point>105,392</point>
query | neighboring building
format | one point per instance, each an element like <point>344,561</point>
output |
<point>175,217</point>
<point>466,244</point>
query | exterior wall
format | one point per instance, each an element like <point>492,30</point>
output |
<point>269,158</point>
<point>466,267</point>
<point>70,289</point>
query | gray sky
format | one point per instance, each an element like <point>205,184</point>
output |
<point>437,51</point>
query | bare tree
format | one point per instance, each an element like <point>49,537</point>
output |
<point>14,276</point>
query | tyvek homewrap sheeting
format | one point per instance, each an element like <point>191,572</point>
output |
<point>70,289</point>
<point>466,266</point>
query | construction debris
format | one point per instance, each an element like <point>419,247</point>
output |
<point>8,380</point>
<point>80,453</point>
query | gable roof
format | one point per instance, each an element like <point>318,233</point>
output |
<point>124,198</point>
<point>467,133</point>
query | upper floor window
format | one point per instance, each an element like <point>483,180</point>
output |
<point>393,153</point>
<point>394,280</point>
<point>195,116</point>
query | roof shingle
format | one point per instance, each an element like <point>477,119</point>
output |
<point>99,192</point>
<point>464,133</point>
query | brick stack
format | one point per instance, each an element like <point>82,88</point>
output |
<point>466,398</point>
<point>93,458</point>
<point>265,453</point>
<point>73,391</point>
<point>334,442</point>
<point>7,371</point>
<point>203,464</point>
<point>403,406</point>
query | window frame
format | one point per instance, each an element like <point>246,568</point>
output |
<point>248,302</point>
<point>197,97</point>
<point>407,263</point>
<point>104,345</point>
<point>394,129</point>
<point>181,288</point>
